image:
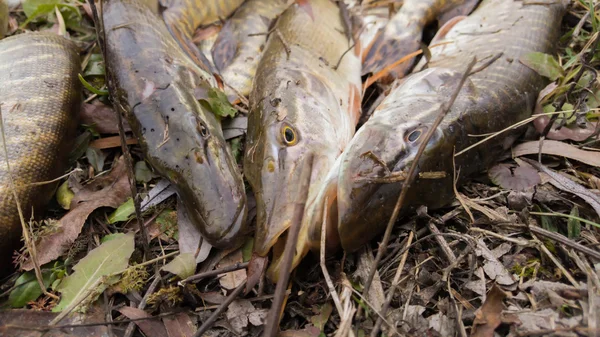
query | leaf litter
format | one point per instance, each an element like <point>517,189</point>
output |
<point>505,277</point>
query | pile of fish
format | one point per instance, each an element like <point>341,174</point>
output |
<point>299,65</point>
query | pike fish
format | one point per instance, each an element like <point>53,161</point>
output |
<point>184,16</point>
<point>3,18</point>
<point>240,43</point>
<point>500,93</point>
<point>403,33</point>
<point>305,104</point>
<point>40,95</point>
<point>153,84</point>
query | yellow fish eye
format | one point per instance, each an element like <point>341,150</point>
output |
<point>289,135</point>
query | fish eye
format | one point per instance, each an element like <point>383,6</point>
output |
<point>289,135</point>
<point>202,129</point>
<point>414,135</point>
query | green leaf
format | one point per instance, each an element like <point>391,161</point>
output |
<point>27,289</point>
<point>142,172</point>
<point>183,265</point>
<point>236,148</point>
<point>95,66</point>
<point>123,212</point>
<point>573,224</point>
<point>321,319</point>
<point>247,249</point>
<point>219,104</point>
<point>95,158</point>
<point>89,87</point>
<point>544,64</point>
<point>167,223</point>
<point>64,195</point>
<point>35,8</point>
<point>108,258</point>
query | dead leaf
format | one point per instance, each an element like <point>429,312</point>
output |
<point>107,191</point>
<point>256,268</point>
<point>213,297</point>
<point>512,177</point>
<point>493,268</point>
<point>308,331</point>
<point>102,118</point>
<point>567,132</point>
<point>183,265</point>
<point>180,325</point>
<point>442,324</point>
<point>238,314</point>
<point>556,148</point>
<point>487,318</point>
<point>150,327</point>
<point>565,184</point>
<point>375,295</point>
<point>190,238</point>
<point>235,127</point>
<point>544,319</point>
<point>111,142</point>
<point>232,279</point>
<point>319,320</point>
<point>11,320</point>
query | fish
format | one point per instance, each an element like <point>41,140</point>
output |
<point>3,18</point>
<point>240,43</point>
<point>40,98</point>
<point>402,35</point>
<point>500,92</point>
<point>155,85</point>
<point>183,17</point>
<point>304,106</point>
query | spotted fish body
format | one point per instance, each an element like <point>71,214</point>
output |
<point>40,95</point>
<point>493,98</point>
<point>302,107</point>
<point>403,33</point>
<point>153,84</point>
<point>240,44</point>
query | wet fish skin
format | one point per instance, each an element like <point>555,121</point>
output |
<point>403,33</point>
<point>492,99</point>
<point>40,96</point>
<point>3,18</point>
<point>236,53</point>
<point>299,94</point>
<point>153,82</point>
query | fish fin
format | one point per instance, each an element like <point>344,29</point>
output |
<point>454,9</point>
<point>354,103</point>
<point>226,47</point>
<point>443,31</point>
<point>307,7</point>
<point>185,42</point>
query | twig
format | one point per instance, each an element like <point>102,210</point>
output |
<point>411,174</point>
<point>271,325</point>
<point>332,291</point>
<point>565,241</point>
<point>392,290</point>
<point>131,327</point>
<point>520,242</point>
<point>546,251</point>
<point>211,320</point>
<point>442,242</point>
<point>28,241</point>
<point>233,267</point>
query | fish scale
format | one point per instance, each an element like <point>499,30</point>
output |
<point>40,95</point>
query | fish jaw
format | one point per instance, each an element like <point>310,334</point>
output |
<point>364,202</point>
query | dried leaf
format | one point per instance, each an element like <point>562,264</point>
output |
<point>235,127</point>
<point>487,318</point>
<point>110,142</point>
<point>180,325</point>
<point>544,64</point>
<point>319,320</point>
<point>557,148</point>
<point>183,265</point>
<point>240,312</point>
<point>308,331</point>
<point>513,177</point>
<point>493,268</point>
<point>232,279</point>
<point>190,238</point>
<point>565,184</point>
<point>150,327</point>
<point>256,268</point>
<point>375,295</point>
<point>95,157</point>
<point>110,257</point>
<point>106,191</point>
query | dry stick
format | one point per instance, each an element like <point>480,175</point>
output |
<point>411,174</point>
<point>271,325</point>
<point>28,241</point>
<point>392,290</point>
<point>213,318</point>
<point>565,241</point>
<point>128,159</point>
<point>131,327</point>
<point>442,242</point>
<point>553,258</point>
<point>233,267</point>
<point>332,291</point>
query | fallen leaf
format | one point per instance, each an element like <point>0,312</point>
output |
<point>11,320</point>
<point>142,173</point>
<point>235,127</point>
<point>110,257</point>
<point>190,238</point>
<point>237,314</point>
<point>105,191</point>
<point>102,118</point>
<point>150,327</point>
<point>180,325</point>
<point>557,148</point>
<point>123,212</point>
<point>319,320</point>
<point>308,331</point>
<point>110,142</point>
<point>375,295</point>
<point>544,64</point>
<point>256,268</point>
<point>95,157</point>
<point>513,177</point>
<point>487,318</point>
<point>232,279</point>
<point>565,184</point>
<point>442,324</point>
<point>493,268</point>
<point>27,289</point>
<point>183,265</point>
<point>533,321</point>
<point>213,297</point>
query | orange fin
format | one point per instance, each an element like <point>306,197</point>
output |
<point>443,31</point>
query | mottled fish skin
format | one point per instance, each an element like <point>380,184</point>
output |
<point>240,44</point>
<point>3,18</point>
<point>40,96</point>
<point>153,83</point>
<point>492,99</point>
<point>183,17</point>
<point>302,107</point>
<point>403,33</point>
